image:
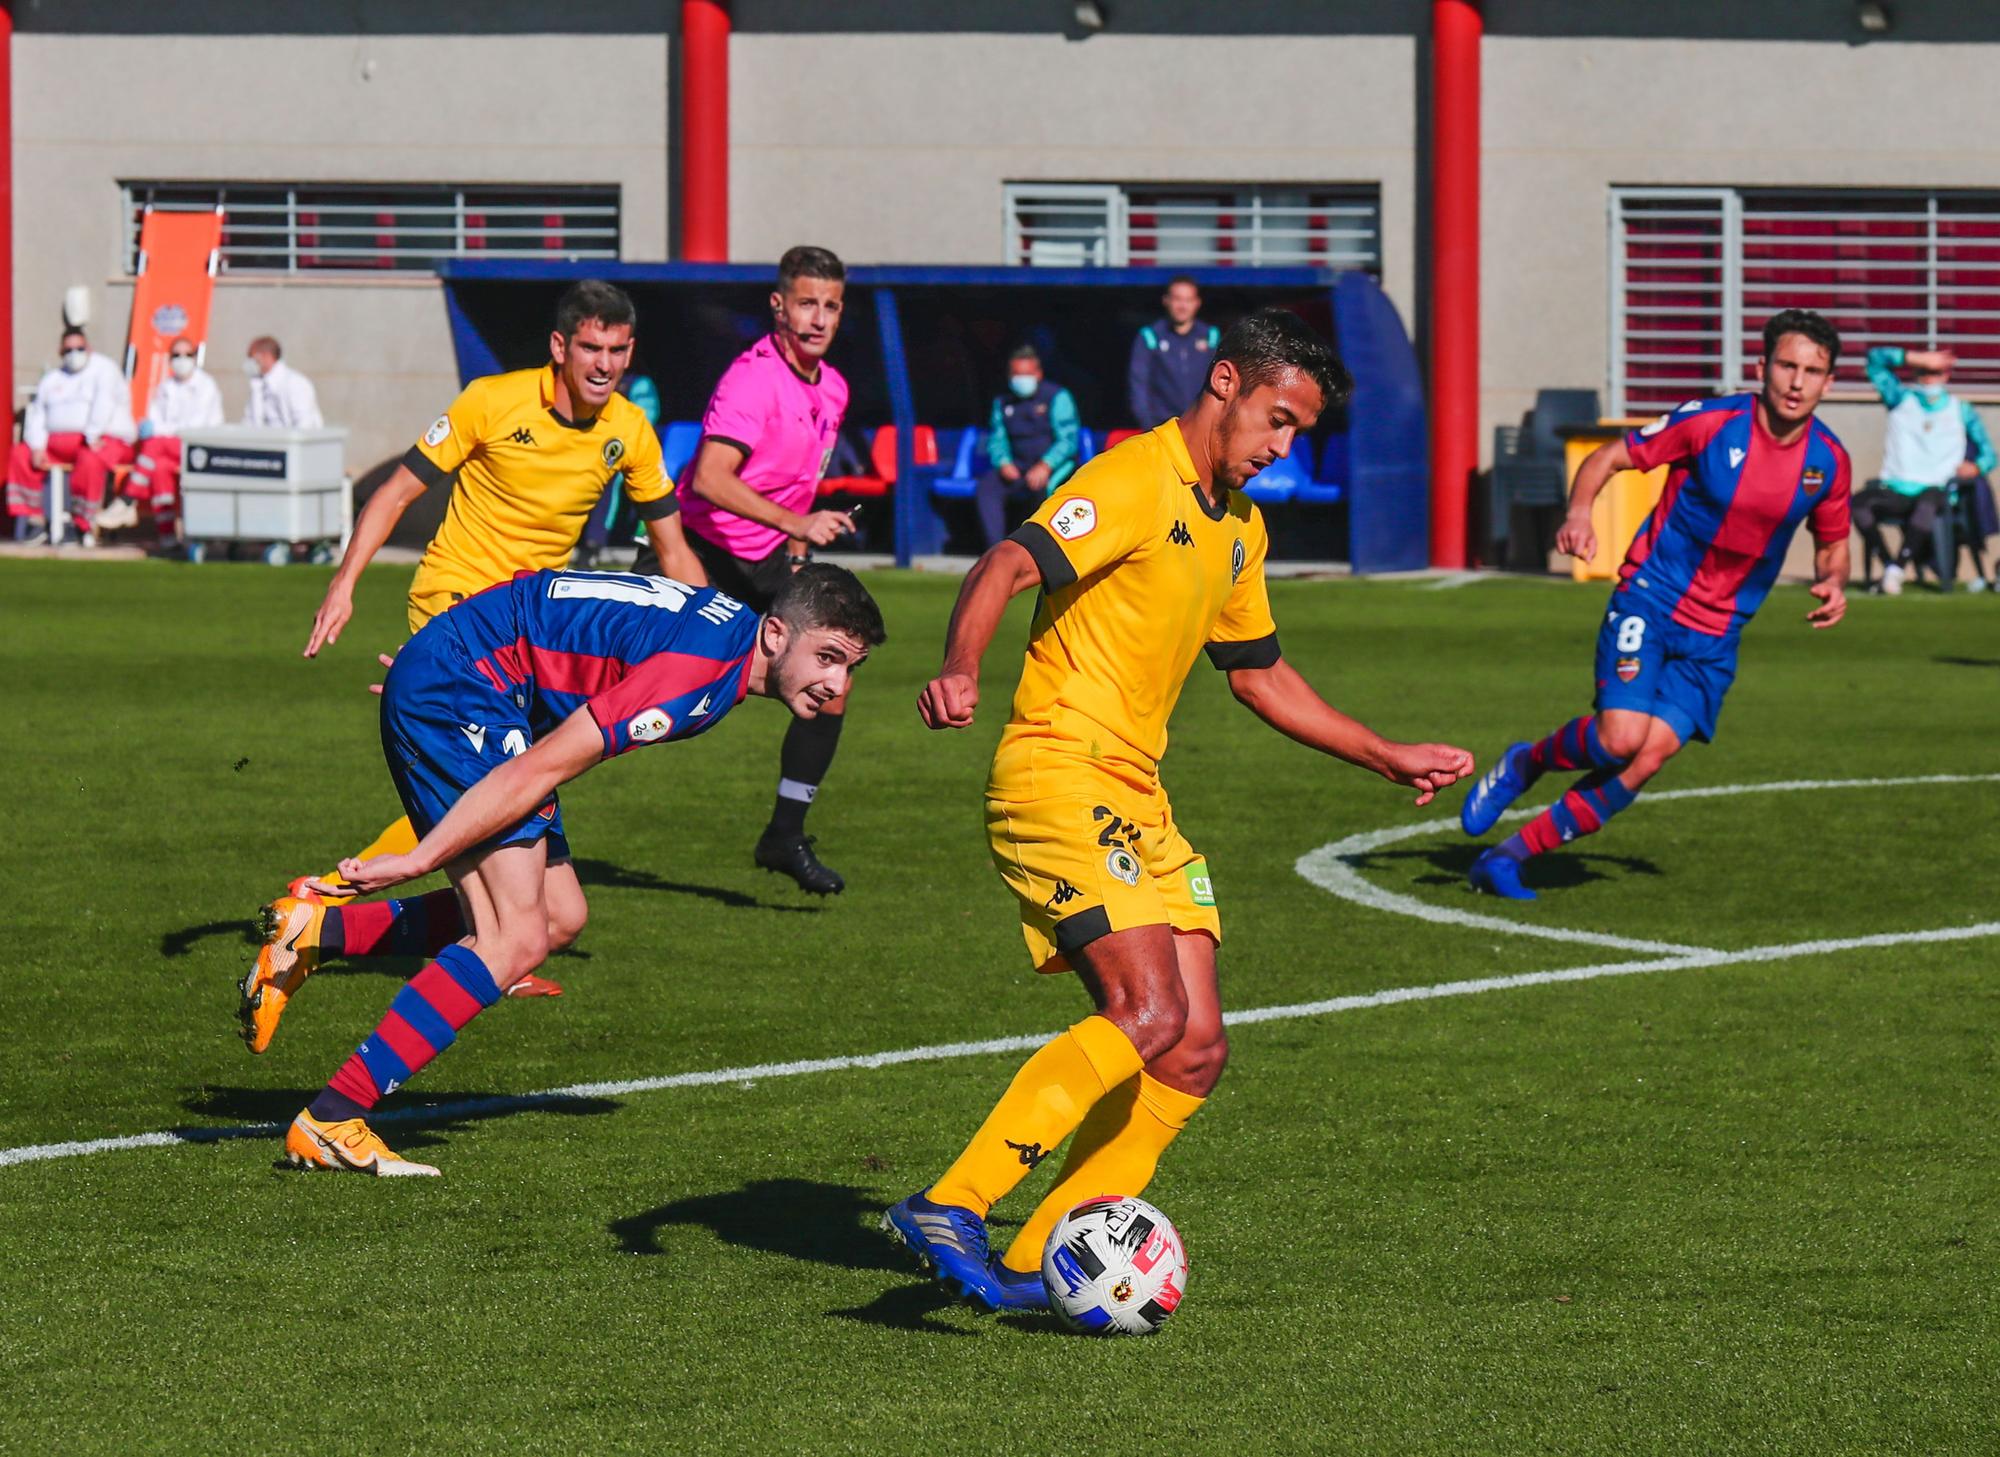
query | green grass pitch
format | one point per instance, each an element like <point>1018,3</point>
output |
<point>1738,1207</point>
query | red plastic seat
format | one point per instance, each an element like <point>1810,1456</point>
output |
<point>1119,435</point>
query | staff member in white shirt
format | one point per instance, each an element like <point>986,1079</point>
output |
<point>187,398</point>
<point>81,417</point>
<point>280,396</point>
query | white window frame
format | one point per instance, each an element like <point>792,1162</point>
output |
<point>259,215</point>
<point>1267,227</point>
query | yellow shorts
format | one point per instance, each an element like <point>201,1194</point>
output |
<point>1093,854</point>
<point>426,605</point>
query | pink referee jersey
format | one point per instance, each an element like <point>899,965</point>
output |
<point>785,425</point>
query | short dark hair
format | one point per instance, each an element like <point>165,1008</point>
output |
<point>73,331</point>
<point>821,594</point>
<point>806,261</point>
<point>1802,321</point>
<point>1025,351</point>
<point>1181,278</point>
<point>265,344</point>
<point>1265,344</point>
<point>593,298</point>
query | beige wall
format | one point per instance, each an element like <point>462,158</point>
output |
<point>908,166</point>
<point>323,109</point>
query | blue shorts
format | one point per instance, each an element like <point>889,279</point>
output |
<point>444,728</point>
<point>1648,663</point>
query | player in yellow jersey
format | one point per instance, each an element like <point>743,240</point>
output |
<point>532,452</point>
<point>1147,557</point>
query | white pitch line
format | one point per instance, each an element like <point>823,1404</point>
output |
<point>941,1052</point>
<point>1331,867</point>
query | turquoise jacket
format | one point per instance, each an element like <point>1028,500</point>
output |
<point>1882,363</point>
<point>1062,432</point>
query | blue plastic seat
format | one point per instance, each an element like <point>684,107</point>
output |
<point>1280,481</point>
<point>678,443</point>
<point>1086,444</point>
<point>1326,486</point>
<point>968,463</point>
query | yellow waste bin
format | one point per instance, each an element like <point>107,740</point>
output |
<point>1621,506</point>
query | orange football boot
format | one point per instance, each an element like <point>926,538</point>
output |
<point>349,1146</point>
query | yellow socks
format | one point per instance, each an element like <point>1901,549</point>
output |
<point>399,839</point>
<point>1115,1152</point>
<point>1047,1099</point>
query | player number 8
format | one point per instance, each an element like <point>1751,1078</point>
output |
<point>1631,634</point>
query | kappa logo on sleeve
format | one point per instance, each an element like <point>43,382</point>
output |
<point>436,434</point>
<point>653,724</point>
<point>1077,519</point>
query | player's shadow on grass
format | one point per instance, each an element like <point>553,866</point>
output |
<point>421,1125</point>
<point>1955,661</point>
<point>802,1219</point>
<point>176,944</point>
<point>605,875</point>
<point>1449,864</point>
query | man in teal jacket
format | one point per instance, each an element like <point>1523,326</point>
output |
<point>1934,444</point>
<point>1031,444</point>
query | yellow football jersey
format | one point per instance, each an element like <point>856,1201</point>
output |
<point>527,479</point>
<point>1139,576</point>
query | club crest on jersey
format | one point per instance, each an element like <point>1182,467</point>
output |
<point>1077,519</point>
<point>1237,556</point>
<point>1812,480</point>
<point>439,429</point>
<point>614,450</point>
<point>1123,864</point>
<point>1628,669</point>
<point>648,726</point>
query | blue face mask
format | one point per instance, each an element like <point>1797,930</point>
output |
<point>1023,385</point>
<point>1931,390</point>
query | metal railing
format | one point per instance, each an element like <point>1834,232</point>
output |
<point>289,229</point>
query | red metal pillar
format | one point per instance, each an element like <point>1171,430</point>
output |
<point>1456,27</point>
<point>7,202</point>
<point>705,131</point>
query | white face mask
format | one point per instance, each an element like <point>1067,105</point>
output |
<point>1023,385</point>
<point>251,367</point>
<point>182,365</point>
<point>74,360</point>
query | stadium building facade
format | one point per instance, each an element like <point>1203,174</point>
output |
<point>1654,177</point>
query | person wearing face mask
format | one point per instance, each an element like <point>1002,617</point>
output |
<point>1933,444</point>
<point>1035,422</point>
<point>280,397</point>
<point>187,398</point>
<point>81,417</point>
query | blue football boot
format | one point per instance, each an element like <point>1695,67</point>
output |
<point>1019,1290</point>
<point>950,1242</point>
<point>1498,873</point>
<point>1510,777</point>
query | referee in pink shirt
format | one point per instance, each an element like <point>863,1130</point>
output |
<point>747,503</point>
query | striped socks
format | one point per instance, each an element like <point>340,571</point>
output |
<point>1573,746</point>
<point>1582,811</point>
<point>414,926</point>
<point>421,1022</point>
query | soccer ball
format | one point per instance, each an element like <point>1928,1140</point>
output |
<point>1114,1266</point>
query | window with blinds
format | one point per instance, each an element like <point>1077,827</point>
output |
<point>1695,272</point>
<point>1099,224</point>
<point>307,228</point>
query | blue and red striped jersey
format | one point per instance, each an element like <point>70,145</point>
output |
<point>651,658</point>
<point>1734,498</point>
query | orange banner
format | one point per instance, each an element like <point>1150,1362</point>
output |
<point>178,256</point>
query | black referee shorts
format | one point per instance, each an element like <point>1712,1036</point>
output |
<point>752,581</point>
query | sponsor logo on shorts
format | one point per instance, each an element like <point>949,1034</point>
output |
<point>1200,888</point>
<point>648,726</point>
<point>614,451</point>
<point>439,429</point>
<point>1062,895</point>
<point>1123,864</point>
<point>1076,520</point>
<point>1628,669</point>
